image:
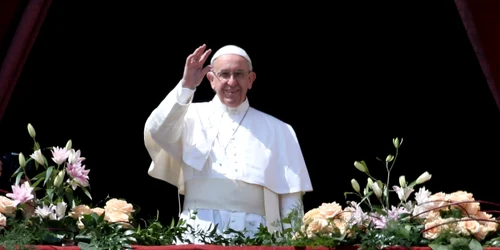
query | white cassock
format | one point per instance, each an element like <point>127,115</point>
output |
<point>238,167</point>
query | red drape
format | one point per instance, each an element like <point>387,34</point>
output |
<point>482,22</point>
<point>19,44</point>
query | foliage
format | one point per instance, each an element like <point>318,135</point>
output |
<point>440,220</point>
<point>46,209</point>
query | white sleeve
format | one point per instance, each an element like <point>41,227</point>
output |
<point>290,202</point>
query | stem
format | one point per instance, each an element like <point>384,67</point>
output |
<point>369,204</point>
<point>367,201</point>
<point>458,220</point>
<point>389,169</point>
<point>394,160</point>
<point>448,204</point>
<point>386,189</point>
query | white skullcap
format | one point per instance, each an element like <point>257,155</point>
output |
<point>231,50</point>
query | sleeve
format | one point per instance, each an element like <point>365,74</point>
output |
<point>289,203</point>
<point>166,122</point>
<point>162,135</point>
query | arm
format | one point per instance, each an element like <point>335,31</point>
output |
<point>166,122</point>
<point>164,127</point>
<point>289,203</point>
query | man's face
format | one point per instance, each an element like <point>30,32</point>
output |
<point>231,79</point>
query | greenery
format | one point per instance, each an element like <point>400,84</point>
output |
<point>46,209</point>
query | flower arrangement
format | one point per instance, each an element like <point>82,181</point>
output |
<point>440,220</point>
<point>46,204</point>
<point>46,209</point>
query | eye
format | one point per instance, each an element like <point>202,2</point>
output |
<point>239,74</point>
<point>225,75</point>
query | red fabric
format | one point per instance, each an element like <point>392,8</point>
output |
<point>8,10</point>
<point>208,247</point>
<point>20,46</point>
<point>480,19</point>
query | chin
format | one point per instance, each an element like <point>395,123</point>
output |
<point>232,104</point>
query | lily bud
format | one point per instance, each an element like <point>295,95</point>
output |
<point>376,189</point>
<point>355,185</point>
<point>361,166</point>
<point>31,131</point>
<point>38,157</point>
<point>402,181</point>
<point>395,142</point>
<point>69,144</point>
<point>370,181</point>
<point>389,158</point>
<point>423,178</point>
<point>22,160</point>
<point>59,178</point>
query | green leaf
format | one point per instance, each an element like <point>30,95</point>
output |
<point>87,192</point>
<point>36,183</point>
<point>347,193</point>
<point>18,177</point>
<point>48,174</point>
<point>50,193</point>
<point>38,176</point>
<point>19,169</point>
<point>69,196</point>
<point>440,247</point>
<point>475,245</point>
<point>128,232</point>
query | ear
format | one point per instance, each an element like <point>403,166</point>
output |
<point>252,77</point>
<point>211,78</point>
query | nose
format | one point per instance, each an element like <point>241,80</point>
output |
<point>232,81</point>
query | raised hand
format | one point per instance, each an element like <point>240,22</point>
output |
<point>194,70</point>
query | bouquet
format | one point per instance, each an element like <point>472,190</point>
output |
<point>440,220</point>
<point>47,206</point>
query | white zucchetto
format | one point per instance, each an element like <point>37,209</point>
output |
<point>231,50</point>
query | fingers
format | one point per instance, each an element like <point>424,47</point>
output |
<point>199,55</point>
<point>200,50</point>
<point>205,55</point>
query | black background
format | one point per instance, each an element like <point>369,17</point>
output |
<point>348,78</point>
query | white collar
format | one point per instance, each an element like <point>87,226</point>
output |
<point>220,107</point>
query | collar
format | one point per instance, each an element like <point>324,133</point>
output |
<point>220,107</point>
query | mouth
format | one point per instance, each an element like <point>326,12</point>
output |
<point>231,91</point>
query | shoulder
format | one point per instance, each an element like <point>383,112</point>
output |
<point>199,105</point>
<point>271,120</point>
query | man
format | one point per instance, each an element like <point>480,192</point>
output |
<point>236,166</point>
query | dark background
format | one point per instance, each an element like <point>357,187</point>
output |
<point>348,78</point>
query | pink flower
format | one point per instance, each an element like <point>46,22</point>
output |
<point>79,174</point>
<point>21,193</point>
<point>74,157</point>
<point>59,155</point>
